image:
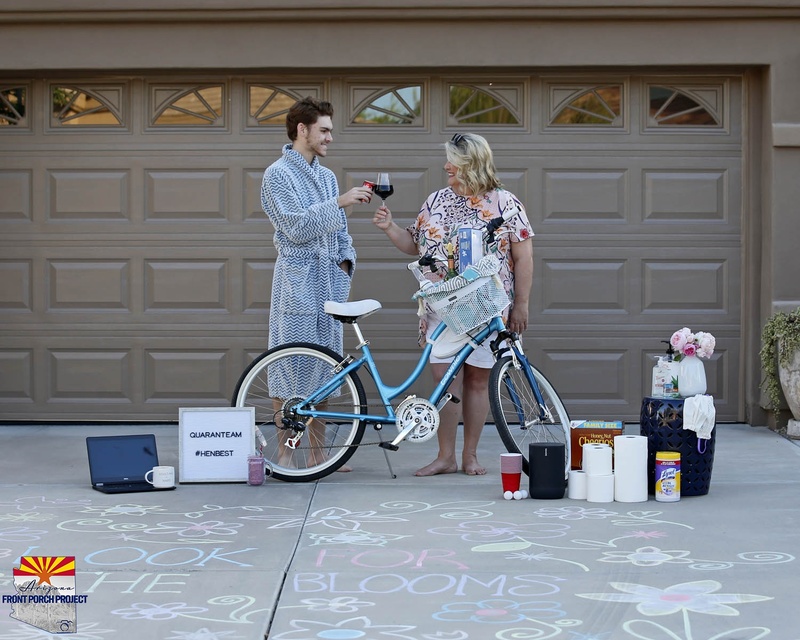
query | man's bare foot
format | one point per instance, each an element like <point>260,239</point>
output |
<point>436,467</point>
<point>471,466</point>
<point>345,469</point>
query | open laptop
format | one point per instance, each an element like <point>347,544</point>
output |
<point>117,464</point>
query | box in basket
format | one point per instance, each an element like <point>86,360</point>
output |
<point>583,431</point>
<point>470,247</point>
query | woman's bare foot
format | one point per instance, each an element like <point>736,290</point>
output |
<point>471,466</point>
<point>436,467</point>
<point>344,469</point>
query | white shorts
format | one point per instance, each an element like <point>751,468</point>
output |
<point>481,358</point>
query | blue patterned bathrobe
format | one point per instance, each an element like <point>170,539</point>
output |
<point>312,240</point>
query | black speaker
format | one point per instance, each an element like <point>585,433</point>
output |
<point>546,462</point>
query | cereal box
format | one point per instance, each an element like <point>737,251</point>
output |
<point>583,431</point>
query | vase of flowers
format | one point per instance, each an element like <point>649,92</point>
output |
<point>691,347</point>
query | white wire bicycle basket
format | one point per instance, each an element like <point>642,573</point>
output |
<point>468,300</point>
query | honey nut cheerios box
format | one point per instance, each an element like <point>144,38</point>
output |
<point>584,431</point>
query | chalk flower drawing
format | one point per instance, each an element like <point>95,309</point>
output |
<point>87,631</point>
<point>124,510</point>
<point>358,537</point>
<point>453,510</point>
<point>647,557</point>
<point>204,634</point>
<point>343,604</point>
<point>498,611</point>
<point>150,611</point>
<point>28,516</point>
<point>360,627</point>
<point>697,597</point>
<point>332,517</point>
<point>21,534</point>
<point>502,531</point>
<point>575,513</point>
<point>32,503</point>
<point>196,529</point>
<point>442,635</point>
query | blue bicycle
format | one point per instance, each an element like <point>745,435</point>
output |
<point>310,404</point>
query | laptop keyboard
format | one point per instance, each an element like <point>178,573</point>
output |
<point>126,487</point>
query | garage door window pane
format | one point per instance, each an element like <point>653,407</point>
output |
<point>683,107</point>
<point>198,106</point>
<point>12,107</point>
<point>471,104</point>
<point>86,107</point>
<point>599,106</point>
<point>269,104</point>
<point>395,106</point>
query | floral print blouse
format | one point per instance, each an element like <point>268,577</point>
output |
<point>445,212</point>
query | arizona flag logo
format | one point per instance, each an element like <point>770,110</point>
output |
<point>45,568</point>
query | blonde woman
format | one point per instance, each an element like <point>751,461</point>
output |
<point>473,196</point>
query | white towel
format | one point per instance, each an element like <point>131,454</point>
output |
<point>699,415</point>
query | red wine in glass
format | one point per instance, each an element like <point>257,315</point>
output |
<point>383,187</point>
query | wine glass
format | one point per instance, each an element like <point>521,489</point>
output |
<point>383,187</point>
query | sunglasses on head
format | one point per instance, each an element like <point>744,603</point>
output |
<point>457,139</point>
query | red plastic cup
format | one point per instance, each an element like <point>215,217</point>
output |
<point>511,481</point>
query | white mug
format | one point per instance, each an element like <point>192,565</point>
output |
<point>163,477</point>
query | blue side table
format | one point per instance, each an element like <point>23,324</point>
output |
<point>662,423</point>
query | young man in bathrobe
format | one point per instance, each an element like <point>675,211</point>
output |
<point>315,251</point>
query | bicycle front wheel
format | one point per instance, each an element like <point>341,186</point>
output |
<point>279,379</point>
<point>519,418</point>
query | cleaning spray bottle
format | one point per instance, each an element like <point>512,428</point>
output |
<point>665,374</point>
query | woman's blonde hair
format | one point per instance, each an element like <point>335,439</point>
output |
<point>472,157</point>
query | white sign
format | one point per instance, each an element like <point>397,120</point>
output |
<point>214,443</point>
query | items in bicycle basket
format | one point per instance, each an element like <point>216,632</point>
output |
<point>469,299</point>
<point>451,261</point>
<point>470,247</point>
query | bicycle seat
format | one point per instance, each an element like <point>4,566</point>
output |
<point>350,312</point>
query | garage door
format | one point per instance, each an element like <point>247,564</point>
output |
<point>136,262</point>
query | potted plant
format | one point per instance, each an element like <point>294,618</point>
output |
<point>780,360</point>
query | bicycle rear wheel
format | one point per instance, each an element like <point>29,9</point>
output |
<point>280,378</point>
<point>517,415</point>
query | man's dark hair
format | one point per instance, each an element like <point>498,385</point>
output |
<point>306,111</point>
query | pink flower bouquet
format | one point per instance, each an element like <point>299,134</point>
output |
<point>686,343</point>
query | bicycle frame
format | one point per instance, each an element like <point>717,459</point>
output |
<point>388,393</point>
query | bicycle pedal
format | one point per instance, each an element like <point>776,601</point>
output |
<point>455,400</point>
<point>389,446</point>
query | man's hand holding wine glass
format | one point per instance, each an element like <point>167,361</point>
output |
<point>355,195</point>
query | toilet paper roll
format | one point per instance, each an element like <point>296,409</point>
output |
<point>600,488</point>
<point>597,459</point>
<point>576,485</point>
<point>630,468</point>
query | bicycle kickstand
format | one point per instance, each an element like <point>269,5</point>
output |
<point>386,454</point>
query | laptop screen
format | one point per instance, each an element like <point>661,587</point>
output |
<point>121,458</point>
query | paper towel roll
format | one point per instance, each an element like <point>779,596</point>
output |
<point>600,488</point>
<point>597,459</point>
<point>630,468</point>
<point>576,485</point>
